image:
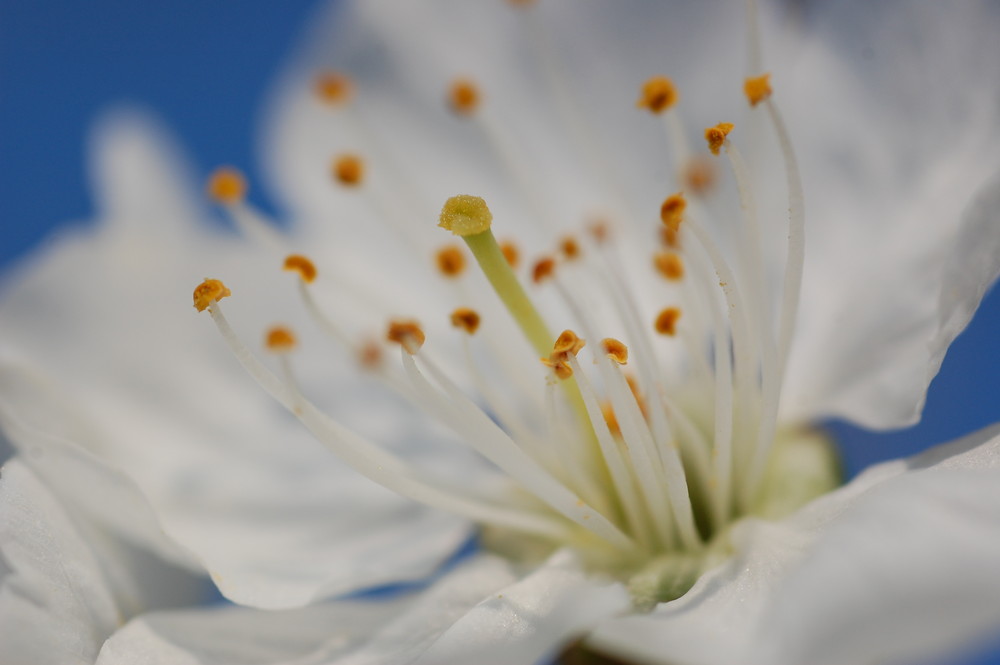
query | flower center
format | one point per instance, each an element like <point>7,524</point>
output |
<point>642,455</point>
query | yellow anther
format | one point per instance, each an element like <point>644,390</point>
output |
<point>757,89</point>
<point>226,185</point>
<point>568,342</point>
<point>280,339</point>
<point>672,211</point>
<point>406,333</point>
<point>302,265</point>
<point>669,264</point>
<point>698,175</point>
<point>463,97</point>
<point>544,268</point>
<point>465,215</point>
<point>333,87</point>
<point>370,354</point>
<point>615,350</point>
<point>657,94</point>
<point>349,170</point>
<point>466,319</point>
<point>209,291</point>
<point>666,322</point>
<point>450,260</point>
<point>511,253</point>
<point>569,248</point>
<point>716,136</point>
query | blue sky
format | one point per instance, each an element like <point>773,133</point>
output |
<point>204,67</point>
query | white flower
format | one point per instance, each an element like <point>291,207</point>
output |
<point>603,497</point>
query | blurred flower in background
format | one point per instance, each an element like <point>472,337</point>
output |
<point>217,461</point>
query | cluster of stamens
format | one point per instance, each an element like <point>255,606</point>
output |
<point>624,463</point>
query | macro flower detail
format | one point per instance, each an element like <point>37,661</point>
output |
<point>550,282</point>
<point>641,473</point>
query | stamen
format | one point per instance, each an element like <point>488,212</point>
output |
<point>450,261</point>
<point>666,321</point>
<point>605,425</point>
<point>370,354</point>
<point>757,89</point>
<point>559,364</point>
<point>698,175</point>
<point>349,170</point>
<point>670,237</point>
<point>569,248</point>
<point>599,231</point>
<point>463,97</point>
<point>481,433</point>
<point>511,253</point>
<point>209,291</point>
<point>407,333</point>
<point>466,319</point>
<point>657,94</point>
<point>227,185</point>
<point>716,136</point>
<point>543,270</point>
<point>615,350</point>
<point>669,265</point>
<point>302,265</point>
<point>280,339</point>
<point>378,465</point>
<point>672,211</point>
<point>568,342</point>
<point>334,88</point>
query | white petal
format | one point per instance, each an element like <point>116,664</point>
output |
<point>900,563</point>
<point>898,249</point>
<point>364,631</point>
<point>226,635</point>
<point>55,606</point>
<point>531,619</point>
<point>107,317</point>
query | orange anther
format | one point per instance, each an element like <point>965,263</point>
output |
<point>716,136</point>
<point>511,253</point>
<point>698,175</point>
<point>672,211</point>
<point>349,170</point>
<point>669,265</point>
<point>406,333</point>
<point>657,94</point>
<point>568,342</point>
<point>333,87</point>
<point>666,322</point>
<point>302,265</point>
<point>227,185</point>
<point>450,260</point>
<point>569,247</point>
<point>543,269</point>
<point>280,339</point>
<point>463,97</point>
<point>757,89</point>
<point>209,291</point>
<point>466,319</point>
<point>615,350</point>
